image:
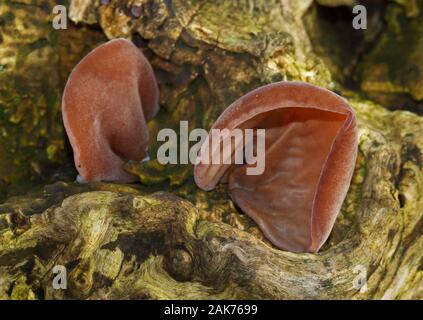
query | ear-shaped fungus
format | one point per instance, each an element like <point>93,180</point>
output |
<point>310,153</point>
<point>107,100</point>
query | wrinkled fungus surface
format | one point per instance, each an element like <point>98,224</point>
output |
<point>310,154</point>
<point>107,100</point>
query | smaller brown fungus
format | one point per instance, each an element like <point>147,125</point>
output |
<point>107,100</point>
<point>310,154</point>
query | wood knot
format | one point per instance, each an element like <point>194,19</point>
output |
<point>18,222</point>
<point>179,264</point>
<point>81,280</point>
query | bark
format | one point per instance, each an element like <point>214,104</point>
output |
<point>35,61</point>
<point>163,238</point>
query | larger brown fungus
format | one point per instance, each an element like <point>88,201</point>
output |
<point>310,154</point>
<point>107,100</point>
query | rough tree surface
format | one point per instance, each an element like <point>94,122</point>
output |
<point>164,238</point>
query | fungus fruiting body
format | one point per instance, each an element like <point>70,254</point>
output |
<point>310,154</point>
<point>107,100</point>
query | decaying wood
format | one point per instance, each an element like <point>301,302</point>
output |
<point>127,241</point>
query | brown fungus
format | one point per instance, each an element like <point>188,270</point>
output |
<point>107,100</point>
<point>310,153</point>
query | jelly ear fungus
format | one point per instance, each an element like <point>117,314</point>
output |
<point>310,154</point>
<point>107,100</point>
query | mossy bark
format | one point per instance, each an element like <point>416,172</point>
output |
<point>164,238</point>
<point>35,61</point>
